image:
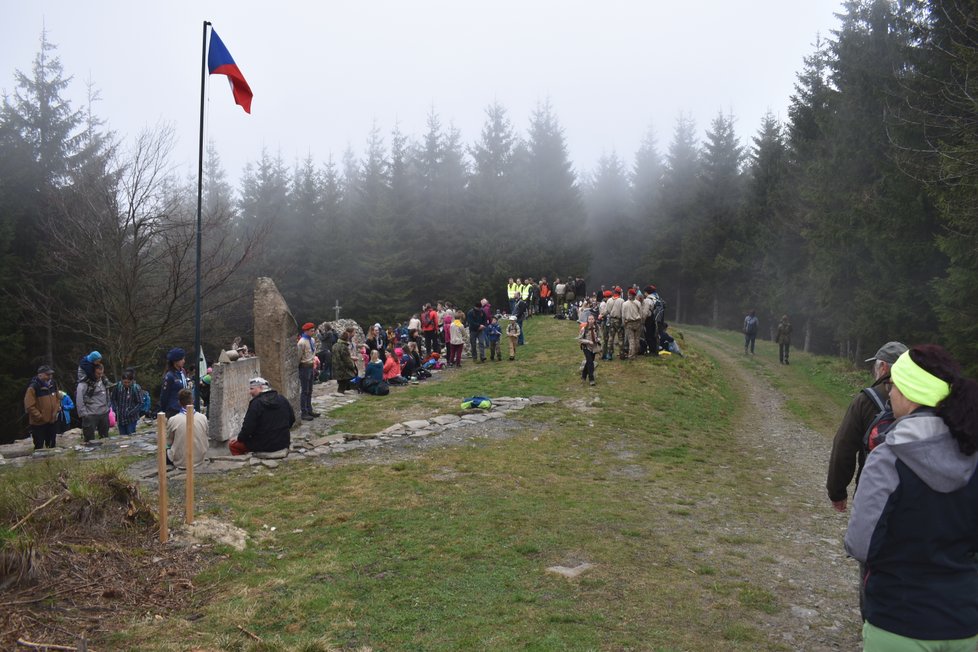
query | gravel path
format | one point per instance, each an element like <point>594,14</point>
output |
<point>815,579</point>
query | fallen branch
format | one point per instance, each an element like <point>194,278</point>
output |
<point>49,595</point>
<point>254,636</point>
<point>45,646</point>
<point>35,510</point>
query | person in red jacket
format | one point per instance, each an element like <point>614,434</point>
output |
<point>429,329</point>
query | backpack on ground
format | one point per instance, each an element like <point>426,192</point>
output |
<point>876,432</point>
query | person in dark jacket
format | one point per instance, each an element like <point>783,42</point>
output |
<point>783,338</point>
<point>266,423</point>
<point>476,320</point>
<point>848,452</point>
<point>914,521</point>
<point>750,331</point>
<point>174,380</point>
<point>42,404</point>
<point>344,369</point>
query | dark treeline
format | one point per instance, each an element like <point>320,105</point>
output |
<point>856,215</point>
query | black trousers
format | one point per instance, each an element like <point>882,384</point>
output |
<point>587,373</point>
<point>45,436</point>
<point>431,341</point>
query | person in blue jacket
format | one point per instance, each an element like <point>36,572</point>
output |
<point>914,522</point>
<point>174,380</point>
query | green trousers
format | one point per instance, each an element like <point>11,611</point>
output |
<point>880,640</point>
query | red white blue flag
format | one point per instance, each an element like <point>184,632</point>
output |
<point>220,62</point>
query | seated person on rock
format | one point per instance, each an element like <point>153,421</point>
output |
<point>176,434</point>
<point>266,424</point>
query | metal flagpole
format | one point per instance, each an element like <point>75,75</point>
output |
<point>200,193</point>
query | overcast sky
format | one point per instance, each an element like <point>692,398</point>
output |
<point>324,72</point>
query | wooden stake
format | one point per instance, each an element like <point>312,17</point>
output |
<point>190,465</point>
<point>161,467</point>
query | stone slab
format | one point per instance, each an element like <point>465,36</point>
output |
<point>229,397</point>
<point>445,419</point>
<point>570,572</point>
<point>327,440</point>
<point>17,449</point>
<point>275,340</point>
<point>417,424</point>
<point>272,455</point>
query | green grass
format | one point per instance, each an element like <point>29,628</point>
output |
<point>817,388</point>
<point>448,550</point>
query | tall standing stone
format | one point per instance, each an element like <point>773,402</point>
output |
<point>276,333</point>
<point>229,397</point>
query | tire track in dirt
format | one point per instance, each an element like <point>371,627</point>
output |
<point>814,581</point>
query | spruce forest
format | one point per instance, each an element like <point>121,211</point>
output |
<point>857,214</point>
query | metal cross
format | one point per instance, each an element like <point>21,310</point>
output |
<point>337,309</point>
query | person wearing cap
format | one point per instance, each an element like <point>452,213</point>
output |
<point>306,346</point>
<point>42,404</point>
<point>848,451</point>
<point>513,331</point>
<point>914,523</point>
<point>615,330</point>
<point>93,405</point>
<point>174,380</point>
<point>266,423</point>
<point>86,366</point>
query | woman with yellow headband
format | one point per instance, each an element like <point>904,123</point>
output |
<point>914,519</point>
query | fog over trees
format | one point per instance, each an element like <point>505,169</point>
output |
<point>856,216</point>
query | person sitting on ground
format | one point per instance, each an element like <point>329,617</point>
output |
<point>409,366</point>
<point>373,377</point>
<point>668,342</point>
<point>176,434</point>
<point>392,370</point>
<point>266,423</point>
<point>344,369</point>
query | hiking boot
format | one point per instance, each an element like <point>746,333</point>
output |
<point>314,415</point>
<point>307,417</point>
<point>591,383</point>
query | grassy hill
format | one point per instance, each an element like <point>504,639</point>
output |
<point>641,476</point>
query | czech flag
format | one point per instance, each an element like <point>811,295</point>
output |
<point>219,62</point>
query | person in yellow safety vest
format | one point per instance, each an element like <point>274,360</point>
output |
<point>511,289</point>
<point>526,292</point>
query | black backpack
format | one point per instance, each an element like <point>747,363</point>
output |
<point>876,432</point>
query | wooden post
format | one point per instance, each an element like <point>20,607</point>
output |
<point>189,519</point>
<point>161,464</point>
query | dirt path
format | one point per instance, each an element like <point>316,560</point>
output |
<point>815,579</point>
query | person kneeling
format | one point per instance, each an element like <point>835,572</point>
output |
<point>266,424</point>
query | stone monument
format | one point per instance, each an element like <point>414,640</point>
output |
<point>229,397</point>
<point>276,333</point>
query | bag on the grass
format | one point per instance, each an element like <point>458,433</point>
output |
<point>482,402</point>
